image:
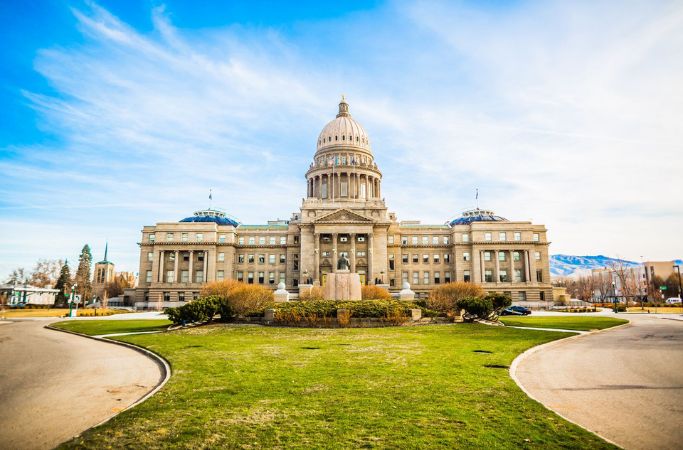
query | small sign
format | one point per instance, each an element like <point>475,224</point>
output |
<point>662,288</point>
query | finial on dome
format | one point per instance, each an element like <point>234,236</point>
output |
<point>343,108</point>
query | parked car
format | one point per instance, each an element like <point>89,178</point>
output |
<point>673,300</point>
<point>515,311</point>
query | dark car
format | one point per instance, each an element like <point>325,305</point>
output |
<point>515,311</point>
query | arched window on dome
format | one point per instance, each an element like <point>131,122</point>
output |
<point>336,138</point>
<point>343,137</point>
<point>329,139</point>
<point>356,138</point>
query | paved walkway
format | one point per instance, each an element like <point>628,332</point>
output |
<point>624,384</point>
<point>55,385</point>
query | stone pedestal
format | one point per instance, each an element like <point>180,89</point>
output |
<point>383,286</point>
<point>342,285</point>
<point>281,295</point>
<point>305,289</point>
<point>406,293</point>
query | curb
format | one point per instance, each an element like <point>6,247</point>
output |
<point>160,361</point>
<point>532,350</point>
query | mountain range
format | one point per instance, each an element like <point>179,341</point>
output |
<point>567,265</point>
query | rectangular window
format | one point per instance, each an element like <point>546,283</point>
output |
<point>537,237</point>
<point>186,256</point>
<point>416,278</point>
<point>283,258</point>
<point>283,240</point>
<point>425,240</point>
<point>518,275</point>
<point>167,296</point>
<point>414,240</point>
<point>343,239</point>
<point>465,237</point>
<point>296,239</point>
<point>466,276</point>
<point>184,276</point>
<point>221,239</point>
<point>522,296</point>
<point>261,240</point>
<point>250,259</point>
<point>240,259</point>
<point>181,296</point>
<point>435,240</point>
<point>501,256</point>
<point>392,265</point>
<point>150,256</point>
<point>261,277</point>
<point>437,277</point>
<point>404,240</point>
<point>171,257</point>
<point>515,256</point>
<point>361,238</point>
<point>416,258</point>
<point>488,275</point>
<point>152,237</point>
<point>503,274</point>
<point>199,237</point>
<point>271,240</point>
<point>200,257</point>
<point>326,253</point>
<point>360,253</point>
<point>539,276</point>
<point>220,275</point>
<point>390,239</point>
<point>425,259</point>
<point>240,240</point>
<point>344,189</point>
<point>250,278</point>
<point>425,277</point>
<point>169,236</point>
<point>148,277</point>
<point>170,276</point>
<point>518,236</point>
<point>502,236</point>
<point>183,237</point>
<point>199,276</point>
<point>447,257</point>
<point>324,189</point>
<point>487,256</point>
<point>466,256</point>
<point>240,276</point>
<point>404,277</point>
<point>487,236</point>
<point>282,277</point>
<point>252,240</point>
<point>437,258</point>
<point>404,259</point>
<point>537,256</point>
<point>446,240</point>
<point>261,259</point>
<point>271,259</point>
<point>447,277</point>
<point>221,257</point>
<point>271,277</point>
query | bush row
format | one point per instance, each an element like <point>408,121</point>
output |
<point>326,310</point>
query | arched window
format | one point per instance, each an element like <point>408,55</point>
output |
<point>356,138</point>
<point>329,139</point>
<point>335,138</point>
<point>344,138</point>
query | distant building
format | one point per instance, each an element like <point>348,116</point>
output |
<point>19,295</point>
<point>103,274</point>
<point>343,214</point>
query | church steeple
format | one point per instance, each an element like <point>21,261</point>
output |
<point>106,248</point>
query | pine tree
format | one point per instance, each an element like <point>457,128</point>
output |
<point>64,285</point>
<point>83,281</point>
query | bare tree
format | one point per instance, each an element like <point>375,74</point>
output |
<point>628,280</point>
<point>46,272</point>
<point>18,276</point>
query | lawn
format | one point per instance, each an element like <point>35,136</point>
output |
<point>441,386</point>
<point>580,323</point>
<point>98,327</point>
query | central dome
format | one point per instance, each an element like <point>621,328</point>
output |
<point>343,132</point>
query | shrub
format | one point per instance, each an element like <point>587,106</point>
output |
<point>499,301</point>
<point>445,297</point>
<point>374,293</point>
<point>313,294</point>
<point>201,310</point>
<point>475,308</point>
<point>324,311</point>
<point>245,300</point>
<point>219,289</point>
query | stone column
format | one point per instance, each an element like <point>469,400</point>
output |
<point>497,256</point>
<point>191,276</point>
<point>512,266</point>
<point>352,236</point>
<point>334,252</point>
<point>532,267</point>
<point>206,265</point>
<point>175,267</point>
<point>370,254</point>
<point>526,265</point>
<point>161,265</point>
<point>316,250</point>
<point>482,269</point>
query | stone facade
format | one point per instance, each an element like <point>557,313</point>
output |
<point>343,213</point>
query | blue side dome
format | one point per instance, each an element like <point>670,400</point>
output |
<point>212,215</point>
<point>476,215</point>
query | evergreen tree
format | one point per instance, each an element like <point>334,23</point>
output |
<point>84,284</point>
<point>64,285</point>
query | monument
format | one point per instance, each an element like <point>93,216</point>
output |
<point>342,284</point>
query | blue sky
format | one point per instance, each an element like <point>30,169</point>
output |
<point>122,114</point>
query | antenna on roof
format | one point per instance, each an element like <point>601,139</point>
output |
<point>476,197</point>
<point>210,197</point>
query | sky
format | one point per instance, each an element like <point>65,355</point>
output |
<point>120,114</point>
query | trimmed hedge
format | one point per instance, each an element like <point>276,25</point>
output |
<point>316,311</point>
<point>201,310</point>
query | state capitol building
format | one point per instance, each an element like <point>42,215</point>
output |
<point>343,214</point>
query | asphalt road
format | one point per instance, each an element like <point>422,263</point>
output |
<point>55,385</point>
<point>624,384</point>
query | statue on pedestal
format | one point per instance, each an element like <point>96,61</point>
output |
<point>343,263</point>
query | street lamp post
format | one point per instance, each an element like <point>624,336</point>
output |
<point>71,302</point>
<point>614,293</point>
<point>680,289</point>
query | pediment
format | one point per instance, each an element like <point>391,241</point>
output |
<point>343,216</point>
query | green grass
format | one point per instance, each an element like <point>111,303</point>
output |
<point>399,387</point>
<point>563,322</point>
<point>97,327</point>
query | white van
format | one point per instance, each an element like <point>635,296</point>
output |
<point>673,300</point>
